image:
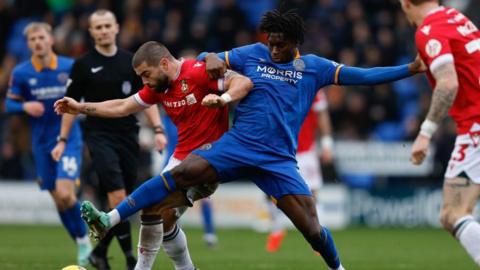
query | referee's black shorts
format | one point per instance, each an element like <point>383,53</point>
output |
<point>114,158</point>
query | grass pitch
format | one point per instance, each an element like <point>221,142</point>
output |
<point>49,248</point>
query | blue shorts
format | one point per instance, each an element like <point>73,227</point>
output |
<point>48,170</point>
<point>275,175</point>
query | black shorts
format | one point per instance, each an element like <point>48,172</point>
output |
<point>114,159</point>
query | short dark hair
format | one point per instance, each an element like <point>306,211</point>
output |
<point>151,53</point>
<point>289,23</point>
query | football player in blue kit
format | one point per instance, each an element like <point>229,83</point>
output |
<point>262,143</point>
<point>35,85</point>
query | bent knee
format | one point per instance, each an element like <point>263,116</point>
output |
<point>449,217</point>
<point>152,211</point>
<point>170,218</point>
<point>64,200</point>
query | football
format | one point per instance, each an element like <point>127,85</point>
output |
<point>73,267</point>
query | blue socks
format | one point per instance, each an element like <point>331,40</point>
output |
<point>326,248</point>
<point>207,215</point>
<point>149,193</point>
<point>72,221</point>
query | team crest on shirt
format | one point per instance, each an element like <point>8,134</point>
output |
<point>32,81</point>
<point>298,64</point>
<point>184,86</point>
<point>62,77</point>
<point>126,87</point>
<point>433,48</point>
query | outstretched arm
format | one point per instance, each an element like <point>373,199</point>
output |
<point>109,109</point>
<point>442,99</point>
<point>377,75</point>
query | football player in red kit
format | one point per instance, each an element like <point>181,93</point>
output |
<point>449,44</point>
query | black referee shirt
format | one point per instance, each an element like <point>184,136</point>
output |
<point>95,78</point>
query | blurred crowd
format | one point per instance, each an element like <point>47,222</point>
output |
<point>362,33</point>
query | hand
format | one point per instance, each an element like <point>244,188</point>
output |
<point>67,105</point>
<point>215,66</point>
<point>34,108</point>
<point>417,66</point>
<point>58,150</point>
<point>419,149</point>
<point>213,101</point>
<point>160,141</point>
<point>326,156</point>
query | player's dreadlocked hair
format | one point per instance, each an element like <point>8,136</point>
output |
<point>289,23</point>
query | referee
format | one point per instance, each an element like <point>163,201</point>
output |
<point>102,74</point>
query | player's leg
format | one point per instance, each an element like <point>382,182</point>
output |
<point>155,222</point>
<point>300,209</point>
<point>61,186</point>
<point>192,171</point>
<point>152,229</point>
<point>69,211</point>
<point>175,241</point>
<point>281,180</point>
<point>209,235</point>
<point>459,198</point>
<point>150,237</point>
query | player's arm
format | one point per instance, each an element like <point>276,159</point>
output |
<point>65,127</point>
<point>218,63</point>
<point>108,109</point>
<point>15,102</point>
<point>237,87</point>
<point>345,75</point>
<point>153,115</point>
<point>444,95</point>
<point>326,141</point>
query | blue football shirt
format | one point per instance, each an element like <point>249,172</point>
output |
<point>270,116</point>
<point>31,82</point>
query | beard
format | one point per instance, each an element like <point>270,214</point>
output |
<point>162,85</point>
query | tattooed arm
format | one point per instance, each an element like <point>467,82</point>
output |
<point>442,99</point>
<point>110,109</point>
<point>444,93</point>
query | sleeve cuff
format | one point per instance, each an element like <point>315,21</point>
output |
<point>441,60</point>
<point>139,100</point>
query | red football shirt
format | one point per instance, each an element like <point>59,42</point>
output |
<point>306,136</point>
<point>446,35</point>
<point>196,124</point>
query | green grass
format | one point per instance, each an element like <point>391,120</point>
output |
<point>47,247</point>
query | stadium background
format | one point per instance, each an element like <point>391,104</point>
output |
<point>371,183</point>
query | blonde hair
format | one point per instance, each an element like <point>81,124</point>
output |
<point>35,26</point>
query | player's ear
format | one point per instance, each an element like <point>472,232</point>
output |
<point>164,64</point>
